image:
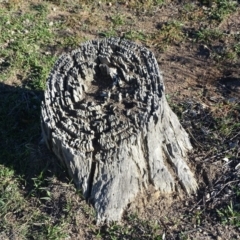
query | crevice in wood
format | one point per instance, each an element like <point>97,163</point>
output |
<point>146,158</point>
<point>91,177</point>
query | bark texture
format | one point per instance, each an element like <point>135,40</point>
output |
<point>105,116</point>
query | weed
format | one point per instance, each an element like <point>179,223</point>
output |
<point>209,35</point>
<point>198,217</point>
<point>136,35</point>
<point>230,55</point>
<point>56,231</point>
<point>222,9</point>
<point>89,210</point>
<point>236,48</point>
<point>12,203</point>
<point>169,33</point>
<point>43,227</point>
<point>188,7</point>
<point>118,19</point>
<point>109,33</point>
<point>227,124</point>
<point>237,191</point>
<point>230,215</point>
<point>39,190</point>
<point>10,198</point>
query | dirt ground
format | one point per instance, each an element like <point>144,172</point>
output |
<point>202,80</point>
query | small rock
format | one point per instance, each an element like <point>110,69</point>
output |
<point>50,24</point>
<point>233,144</point>
<point>207,196</point>
<point>225,159</point>
<point>233,100</point>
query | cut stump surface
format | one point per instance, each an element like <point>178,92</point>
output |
<point>105,116</point>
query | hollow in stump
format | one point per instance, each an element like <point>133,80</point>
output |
<point>106,118</point>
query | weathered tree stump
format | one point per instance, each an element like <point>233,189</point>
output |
<point>106,118</point>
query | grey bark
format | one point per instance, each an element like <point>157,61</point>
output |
<point>105,116</point>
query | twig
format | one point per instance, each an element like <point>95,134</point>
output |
<point>198,143</point>
<point>223,188</point>
<point>196,205</point>
<point>166,227</point>
<point>217,155</point>
<point>234,136</point>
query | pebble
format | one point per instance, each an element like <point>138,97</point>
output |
<point>233,144</point>
<point>225,159</point>
<point>233,100</point>
<point>207,195</point>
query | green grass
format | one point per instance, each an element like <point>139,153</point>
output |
<point>209,35</point>
<point>26,38</point>
<point>118,19</point>
<point>25,217</point>
<point>136,35</point>
<point>230,215</point>
<point>226,119</point>
<point>108,33</point>
<point>136,229</point>
<point>169,33</point>
<point>222,9</point>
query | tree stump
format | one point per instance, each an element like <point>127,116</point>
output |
<point>105,116</point>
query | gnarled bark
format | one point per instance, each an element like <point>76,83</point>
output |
<point>106,118</point>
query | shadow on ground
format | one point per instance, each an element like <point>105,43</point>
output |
<point>21,145</point>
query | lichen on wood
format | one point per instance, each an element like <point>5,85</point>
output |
<point>105,116</point>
